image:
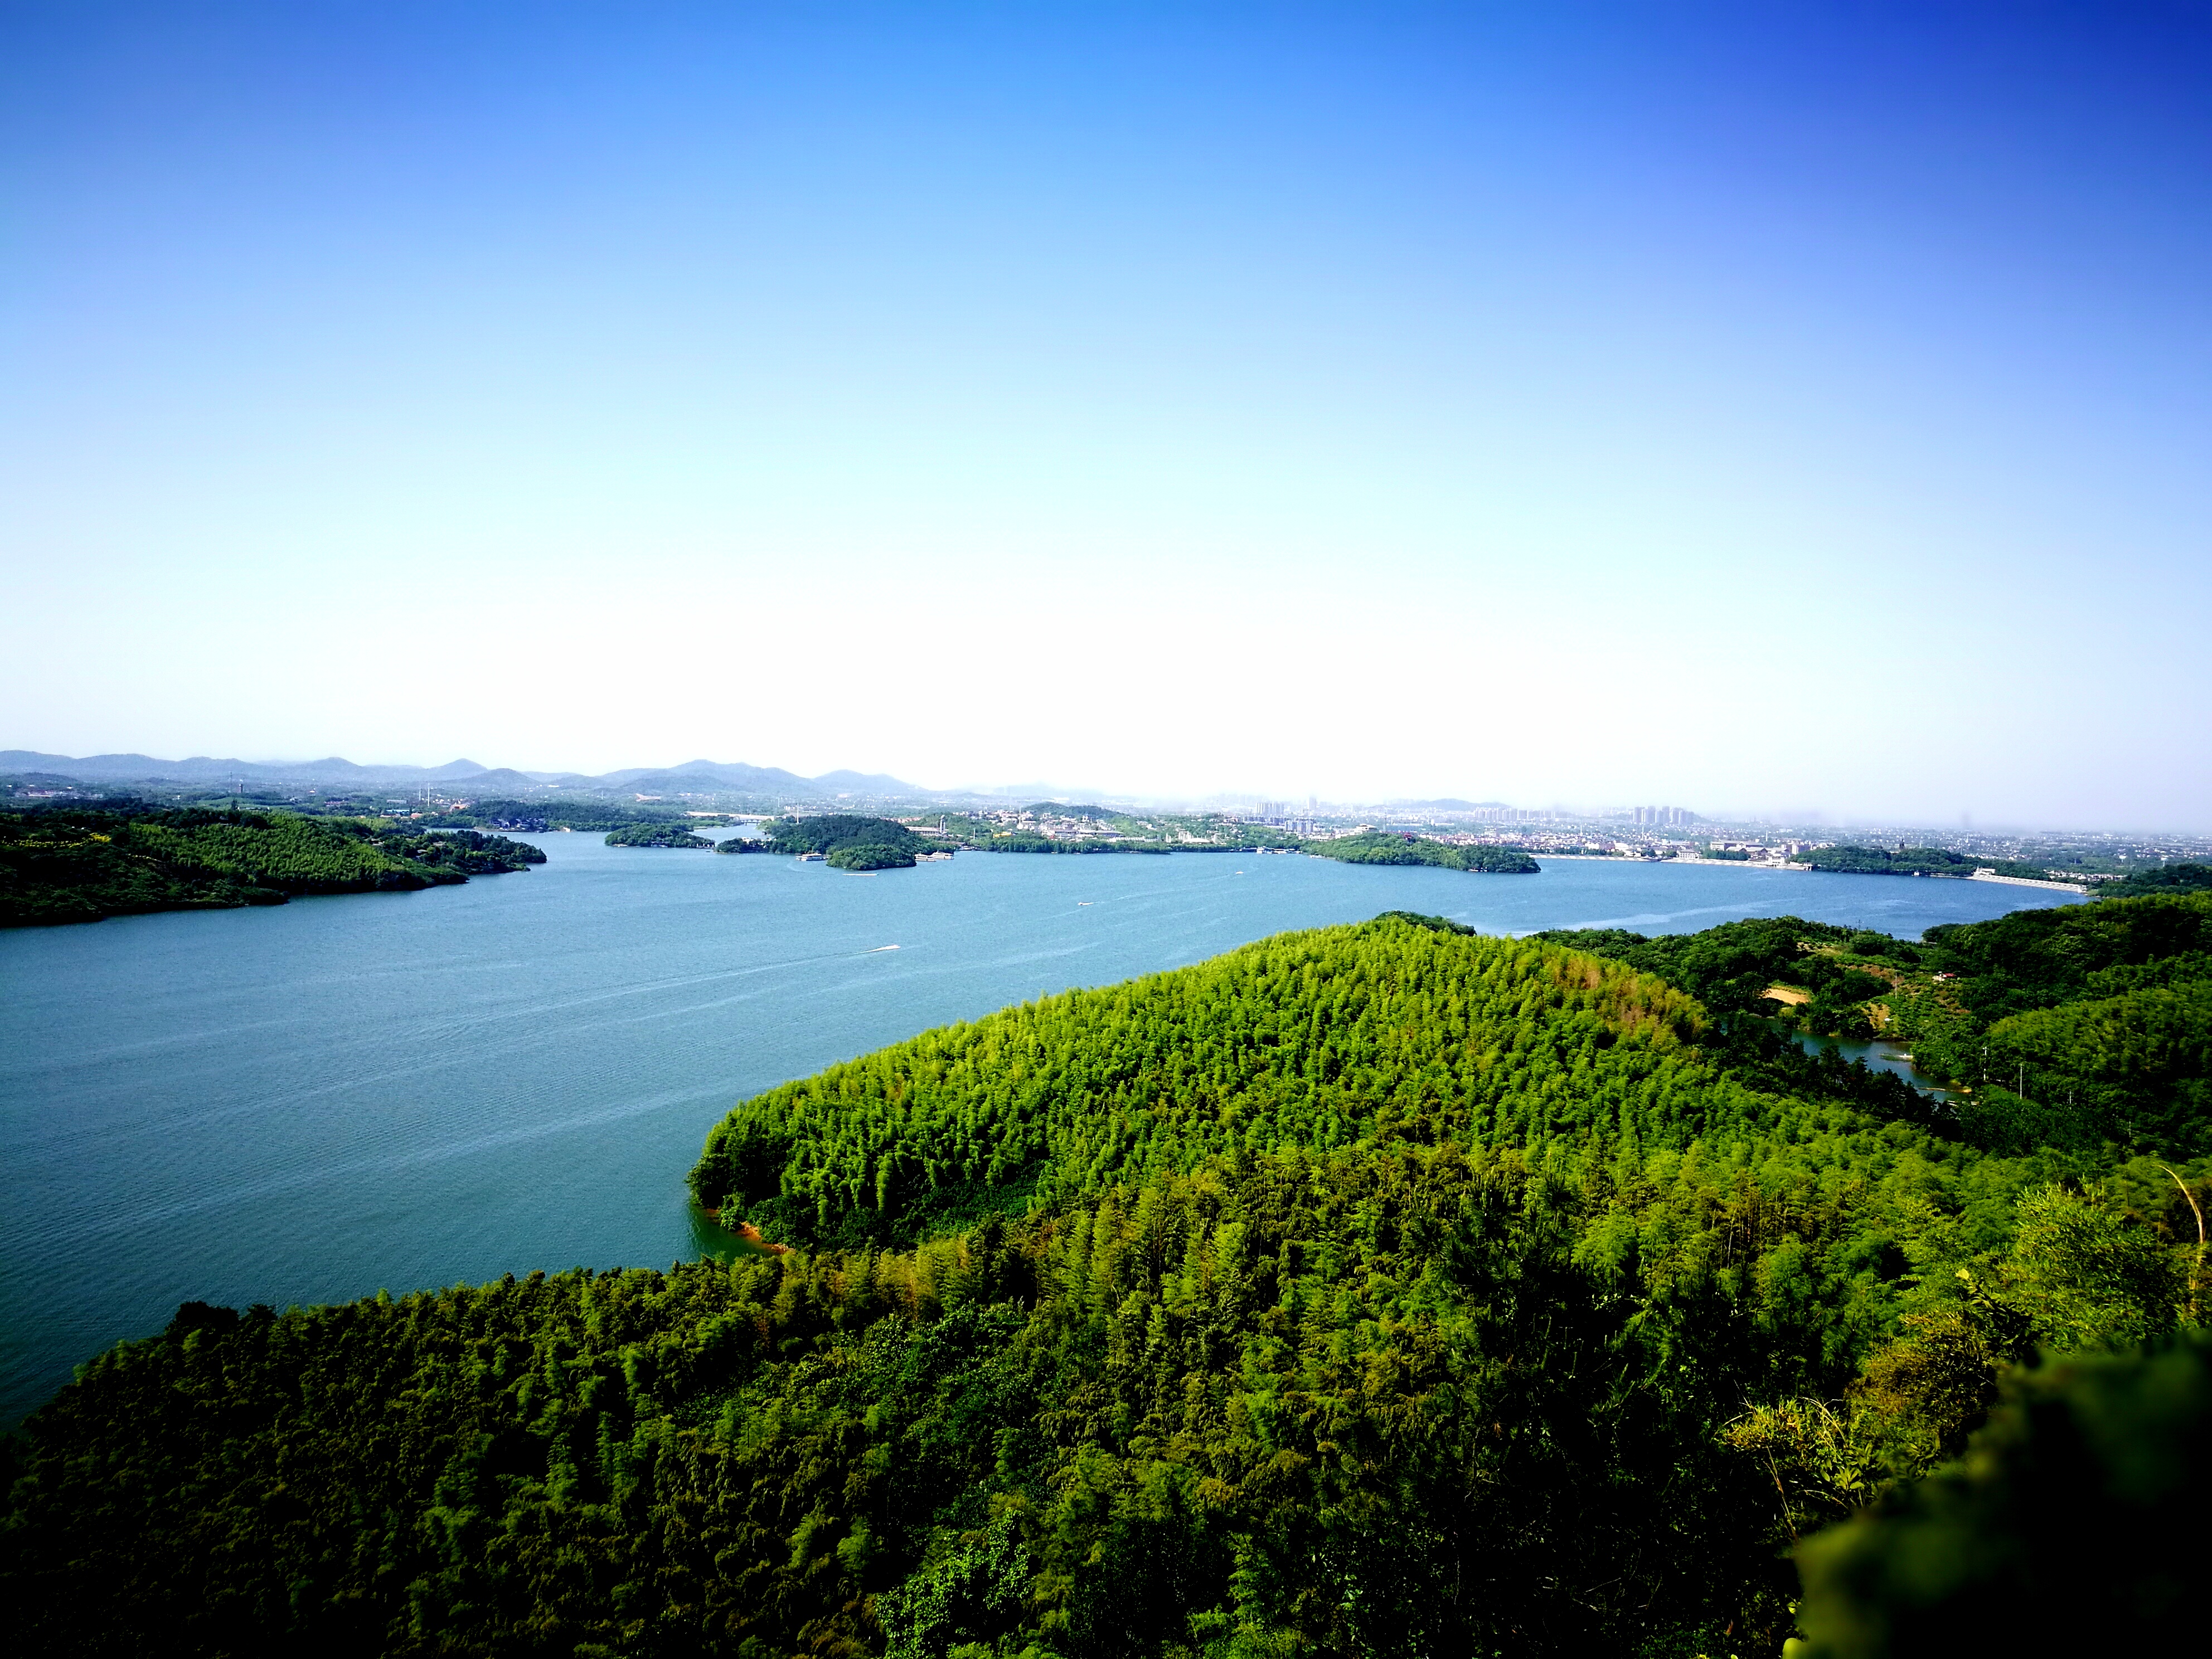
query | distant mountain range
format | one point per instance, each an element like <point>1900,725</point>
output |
<point>202,769</point>
<point>692,777</point>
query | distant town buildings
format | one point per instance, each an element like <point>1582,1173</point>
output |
<point>1276,815</point>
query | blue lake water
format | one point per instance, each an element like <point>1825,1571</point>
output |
<point>307,1103</point>
<point>1882,1054</point>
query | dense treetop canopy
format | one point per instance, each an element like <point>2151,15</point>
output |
<point>1912,861</point>
<point>79,864</point>
<point>1382,847</point>
<point>833,831</point>
<point>1371,1290</point>
<point>2176,878</point>
<point>2077,1026</point>
<point>656,835</point>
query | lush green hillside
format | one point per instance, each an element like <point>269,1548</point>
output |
<point>1189,1411</point>
<point>1314,1040</point>
<point>1379,846</point>
<point>1912,861</point>
<point>1376,1290</point>
<point>870,856</point>
<point>829,833</point>
<point>1731,968</point>
<point>2162,878</point>
<point>2083,1025</point>
<point>71,865</point>
<point>2087,1024</point>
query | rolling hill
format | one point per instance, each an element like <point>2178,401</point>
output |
<point>1377,1289</point>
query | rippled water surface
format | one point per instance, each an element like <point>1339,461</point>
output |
<point>307,1103</point>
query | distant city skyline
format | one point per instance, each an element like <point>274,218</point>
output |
<point>117,766</point>
<point>1804,405</point>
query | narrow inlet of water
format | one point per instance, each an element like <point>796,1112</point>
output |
<point>1877,1054</point>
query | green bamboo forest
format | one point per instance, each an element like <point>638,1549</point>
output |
<point>1376,1290</point>
<point>75,864</point>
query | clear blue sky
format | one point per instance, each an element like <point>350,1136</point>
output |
<point>1784,406</point>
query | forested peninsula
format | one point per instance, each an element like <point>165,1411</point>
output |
<point>656,835</point>
<point>1384,846</point>
<point>845,842</point>
<point>1912,861</point>
<point>1022,842</point>
<point>1379,1289</point>
<point>80,864</point>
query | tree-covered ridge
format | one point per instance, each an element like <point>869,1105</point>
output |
<point>1058,827</point>
<point>79,865</point>
<point>1912,861</point>
<point>1019,840</point>
<point>1377,1289</point>
<point>2177,878</point>
<point>1397,1400</point>
<point>1395,1034</point>
<point>849,841</point>
<point>2084,1025</point>
<point>1730,967</point>
<point>1080,809</point>
<point>461,853</point>
<point>656,835</point>
<point>1174,1418</point>
<point>829,833</point>
<point>2039,958</point>
<point>2076,1026</point>
<point>864,856</point>
<point>1318,1039</point>
<point>1384,847</point>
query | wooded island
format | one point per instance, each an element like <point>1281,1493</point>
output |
<point>79,865</point>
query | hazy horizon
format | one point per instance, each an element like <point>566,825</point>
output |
<point>1694,405</point>
<point>1041,788</point>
